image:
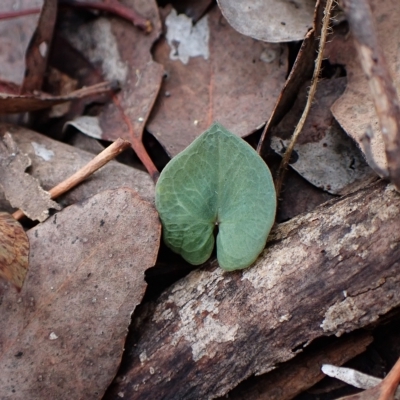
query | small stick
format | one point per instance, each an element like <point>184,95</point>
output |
<point>311,94</point>
<point>381,85</point>
<point>20,13</point>
<point>92,166</point>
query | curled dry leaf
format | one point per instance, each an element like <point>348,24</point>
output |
<point>21,189</point>
<point>14,250</point>
<point>231,78</point>
<point>270,20</point>
<point>355,110</point>
<point>62,337</point>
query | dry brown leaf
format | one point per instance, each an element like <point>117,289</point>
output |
<point>324,154</point>
<point>15,34</point>
<point>355,110</point>
<point>21,189</point>
<point>14,250</point>
<point>122,52</point>
<point>270,20</point>
<point>39,47</point>
<point>237,85</point>
<point>62,337</point>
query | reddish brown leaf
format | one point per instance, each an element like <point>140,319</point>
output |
<point>237,85</point>
<point>62,337</point>
<point>14,250</point>
<point>38,50</point>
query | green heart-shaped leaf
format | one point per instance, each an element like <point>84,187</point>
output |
<point>218,179</point>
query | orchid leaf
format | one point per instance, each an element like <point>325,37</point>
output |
<point>218,180</point>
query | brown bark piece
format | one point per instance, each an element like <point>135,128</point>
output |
<point>324,273</point>
<point>237,84</point>
<point>62,337</point>
<point>303,372</point>
<point>21,189</point>
<point>53,162</point>
<point>14,250</point>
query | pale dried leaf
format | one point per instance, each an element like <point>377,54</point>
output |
<point>62,337</point>
<point>21,189</point>
<point>270,20</point>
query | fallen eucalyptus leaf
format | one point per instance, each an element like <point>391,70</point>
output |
<point>218,180</point>
<point>14,250</point>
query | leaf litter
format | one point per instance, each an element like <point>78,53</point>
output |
<point>228,76</point>
<point>85,279</point>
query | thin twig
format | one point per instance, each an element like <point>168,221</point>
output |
<point>92,166</point>
<point>373,62</point>
<point>311,94</point>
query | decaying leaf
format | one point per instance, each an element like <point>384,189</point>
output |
<point>270,20</point>
<point>66,329</point>
<point>233,79</point>
<point>218,180</point>
<point>122,52</point>
<point>14,250</point>
<point>21,189</point>
<point>355,110</point>
<point>325,155</point>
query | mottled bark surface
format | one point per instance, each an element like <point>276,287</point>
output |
<point>324,273</point>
